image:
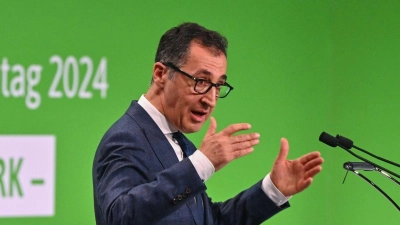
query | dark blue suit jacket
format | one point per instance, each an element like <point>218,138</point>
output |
<point>138,179</point>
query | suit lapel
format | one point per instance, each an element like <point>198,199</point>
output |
<point>161,147</point>
<point>159,143</point>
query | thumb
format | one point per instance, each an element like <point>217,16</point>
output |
<point>212,127</point>
<point>284,151</point>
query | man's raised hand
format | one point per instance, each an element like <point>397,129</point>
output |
<point>293,176</point>
<point>223,147</point>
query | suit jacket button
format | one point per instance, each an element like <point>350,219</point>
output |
<point>180,197</point>
<point>175,201</point>
<point>188,190</point>
<point>184,195</point>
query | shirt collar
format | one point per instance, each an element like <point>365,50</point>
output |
<point>162,122</point>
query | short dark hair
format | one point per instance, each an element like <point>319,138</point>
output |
<point>175,43</point>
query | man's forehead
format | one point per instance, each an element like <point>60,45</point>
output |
<point>196,45</point>
<point>208,73</point>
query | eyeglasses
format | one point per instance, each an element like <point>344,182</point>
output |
<point>202,86</point>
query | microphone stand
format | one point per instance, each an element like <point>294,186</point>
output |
<point>348,168</point>
<point>366,160</point>
<point>367,167</point>
<point>385,174</point>
<point>346,144</point>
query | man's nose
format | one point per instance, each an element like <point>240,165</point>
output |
<point>210,98</point>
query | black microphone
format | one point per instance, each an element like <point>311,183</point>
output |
<point>328,139</point>
<point>366,166</point>
<point>344,142</point>
<point>358,166</point>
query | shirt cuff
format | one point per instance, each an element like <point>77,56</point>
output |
<point>202,164</point>
<point>272,192</point>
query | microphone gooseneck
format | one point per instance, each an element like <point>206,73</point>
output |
<point>347,143</point>
<point>376,187</point>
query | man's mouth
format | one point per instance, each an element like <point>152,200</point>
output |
<point>199,115</point>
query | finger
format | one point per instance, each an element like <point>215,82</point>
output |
<point>231,129</point>
<point>314,171</point>
<point>308,157</point>
<point>313,163</point>
<point>245,144</point>
<point>212,127</point>
<point>243,152</point>
<point>244,137</point>
<point>284,151</point>
<point>305,183</point>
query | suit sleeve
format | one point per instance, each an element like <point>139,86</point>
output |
<point>249,207</point>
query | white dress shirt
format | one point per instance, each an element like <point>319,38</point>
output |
<point>201,163</point>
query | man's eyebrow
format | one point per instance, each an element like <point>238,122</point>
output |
<point>208,73</point>
<point>224,77</point>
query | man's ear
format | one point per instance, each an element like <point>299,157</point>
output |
<point>160,74</point>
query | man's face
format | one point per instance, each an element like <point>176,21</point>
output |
<point>186,109</point>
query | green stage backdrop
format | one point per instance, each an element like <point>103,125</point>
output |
<point>69,69</point>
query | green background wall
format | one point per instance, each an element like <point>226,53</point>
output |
<point>298,68</point>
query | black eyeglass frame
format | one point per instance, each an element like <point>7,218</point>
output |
<point>196,80</point>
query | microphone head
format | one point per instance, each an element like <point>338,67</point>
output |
<point>344,142</point>
<point>328,139</point>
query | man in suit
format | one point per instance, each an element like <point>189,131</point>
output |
<point>146,172</point>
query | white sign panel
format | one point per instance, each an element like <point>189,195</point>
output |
<point>27,175</point>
